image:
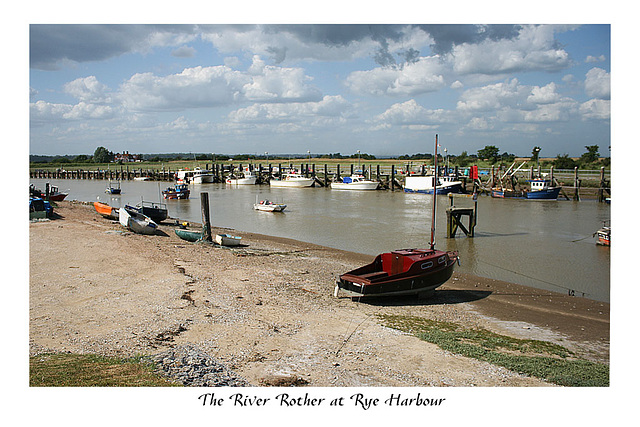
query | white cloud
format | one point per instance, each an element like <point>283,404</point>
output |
<point>84,110</point>
<point>270,83</point>
<point>596,109</point>
<point>424,75</point>
<point>492,97</point>
<point>544,95</point>
<point>411,113</point>
<point>591,59</point>
<point>332,107</point>
<point>598,83</point>
<point>533,49</point>
<point>88,89</point>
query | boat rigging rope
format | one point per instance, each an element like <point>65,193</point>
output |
<point>347,338</point>
<point>569,290</point>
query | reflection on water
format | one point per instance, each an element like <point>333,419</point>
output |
<point>545,244</point>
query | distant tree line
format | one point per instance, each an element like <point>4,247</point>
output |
<point>490,154</point>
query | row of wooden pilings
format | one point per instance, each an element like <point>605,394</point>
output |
<point>390,180</point>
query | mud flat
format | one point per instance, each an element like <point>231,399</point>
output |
<point>267,310</point>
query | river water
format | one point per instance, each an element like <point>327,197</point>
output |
<point>543,244</point>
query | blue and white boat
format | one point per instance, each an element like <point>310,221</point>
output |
<point>542,189</point>
<point>424,184</point>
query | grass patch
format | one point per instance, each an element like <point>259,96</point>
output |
<point>88,370</point>
<point>540,359</point>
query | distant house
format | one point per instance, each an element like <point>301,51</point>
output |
<point>125,157</point>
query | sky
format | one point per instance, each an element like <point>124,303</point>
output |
<point>382,89</point>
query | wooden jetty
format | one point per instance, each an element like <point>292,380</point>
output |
<point>455,215</point>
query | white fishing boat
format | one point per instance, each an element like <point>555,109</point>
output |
<point>292,179</point>
<point>354,182</point>
<point>135,221</point>
<point>268,206</point>
<point>141,178</point>
<point>245,178</point>
<point>227,240</point>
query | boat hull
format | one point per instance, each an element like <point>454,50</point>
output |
<point>227,240</point>
<point>189,235</point>
<point>113,190</point>
<point>106,210</point>
<point>419,272</point>
<point>276,207</point>
<point>603,237</point>
<point>136,222</point>
<point>297,183</point>
<point>546,194</point>
<point>57,197</point>
<point>368,185</point>
<point>242,181</point>
<point>424,185</point>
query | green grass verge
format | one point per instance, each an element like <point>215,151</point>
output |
<point>540,359</point>
<point>87,370</point>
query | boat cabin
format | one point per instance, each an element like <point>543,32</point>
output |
<point>540,184</point>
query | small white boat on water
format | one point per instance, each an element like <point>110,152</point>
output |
<point>292,179</point>
<point>135,221</point>
<point>227,240</point>
<point>354,182</point>
<point>268,206</point>
<point>141,178</point>
<point>245,178</point>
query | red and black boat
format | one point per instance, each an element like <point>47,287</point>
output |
<point>402,272</point>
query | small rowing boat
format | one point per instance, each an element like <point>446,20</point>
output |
<point>106,210</point>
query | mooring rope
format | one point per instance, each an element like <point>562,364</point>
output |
<point>571,291</point>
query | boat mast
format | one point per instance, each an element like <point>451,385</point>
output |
<point>433,214</point>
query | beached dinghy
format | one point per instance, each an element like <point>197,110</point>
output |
<point>136,222</point>
<point>227,240</point>
<point>401,272</point>
<point>106,210</point>
<point>189,235</point>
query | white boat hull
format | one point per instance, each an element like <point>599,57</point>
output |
<point>136,222</point>
<point>242,181</point>
<point>269,208</point>
<point>296,183</point>
<point>227,240</point>
<point>363,185</point>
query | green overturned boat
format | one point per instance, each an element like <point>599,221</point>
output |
<point>189,235</point>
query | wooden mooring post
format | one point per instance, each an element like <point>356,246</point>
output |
<point>454,217</point>
<point>206,221</point>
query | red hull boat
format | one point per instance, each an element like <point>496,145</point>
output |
<point>402,272</point>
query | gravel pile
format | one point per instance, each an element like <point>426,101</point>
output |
<point>193,368</point>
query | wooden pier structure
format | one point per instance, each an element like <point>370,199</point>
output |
<point>455,215</point>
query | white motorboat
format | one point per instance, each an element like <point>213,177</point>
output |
<point>424,184</point>
<point>196,175</point>
<point>136,221</point>
<point>202,176</point>
<point>354,182</point>
<point>268,206</point>
<point>227,240</point>
<point>292,180</point>
<point>246,178</point>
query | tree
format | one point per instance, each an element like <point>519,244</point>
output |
<point>591,155</point>
<point>564,162</point>
<point>462,160</point>
<point>490,153</point>
<point>535,153</point>
<point>102,155</point>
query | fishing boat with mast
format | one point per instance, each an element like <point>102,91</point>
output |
<point>404,271</point>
